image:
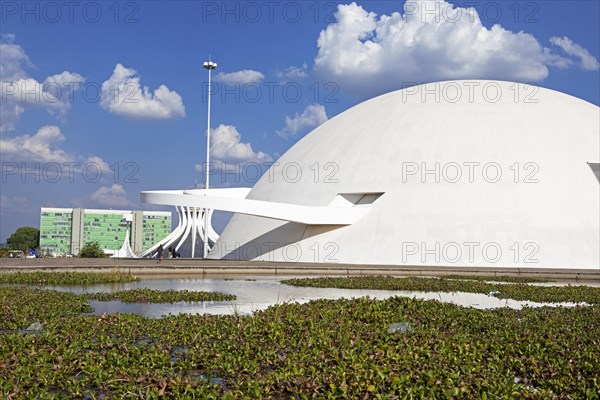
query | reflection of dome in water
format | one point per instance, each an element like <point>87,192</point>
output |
<point>454,173</point>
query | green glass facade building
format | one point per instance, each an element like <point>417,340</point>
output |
<point>66,230</point>
<point>55,230</point>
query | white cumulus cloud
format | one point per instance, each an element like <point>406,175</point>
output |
<point>44,147</point>
<point>242,77</point>
<point>429,40</point>
<point>293,73</point>
<point>98,162</point>
<point>228,153</point>
<point>587,61</point>
<point>226,145</point>
<point>123,95</point>
<point>63,79</point>
<point>13,60</point>
<point>19,91</point>
<point>41,147</point>
<point>113,196</point>
<point>312,116</point>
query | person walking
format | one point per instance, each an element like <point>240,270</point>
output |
<point>159,253</point>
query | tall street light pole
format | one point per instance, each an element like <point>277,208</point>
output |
<point>209,65</point>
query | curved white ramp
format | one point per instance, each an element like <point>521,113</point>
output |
<point>344,209</point>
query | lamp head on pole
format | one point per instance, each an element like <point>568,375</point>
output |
<point>209,65</point>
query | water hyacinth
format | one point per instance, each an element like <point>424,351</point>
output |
<point>66,278</point>
<point>159,296</point>
<point>496,278</point>
<point>321,349</point>
<point>21,306</point>
<point>519,291</point>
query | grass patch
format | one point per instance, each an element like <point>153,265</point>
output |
<point>519,291</point>
<point>66,278</point>
<point>322,349</point>
<point>159,296</point>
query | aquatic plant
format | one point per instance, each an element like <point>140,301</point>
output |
<point>321,349</point>
<point>20,306</point>
<point>66,278</point>
<point>520,291</point>
<point>496,278</point>
<point>159,296</point>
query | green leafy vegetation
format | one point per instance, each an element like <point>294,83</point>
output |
<point>495,278</point>
<point>21,306</point>
<point>544,294</point>
<point>322,349</point>
<point>92,250</point>
<point>24,238</point>
<point>66,278</point>
<point>158,296</point>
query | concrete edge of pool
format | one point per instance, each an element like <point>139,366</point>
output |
<point>223,268</point>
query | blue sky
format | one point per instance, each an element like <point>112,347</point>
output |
<point>109,98</point>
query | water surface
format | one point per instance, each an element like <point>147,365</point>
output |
<point>259,293</point>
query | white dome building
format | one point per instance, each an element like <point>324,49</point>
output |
<point>462,173</point>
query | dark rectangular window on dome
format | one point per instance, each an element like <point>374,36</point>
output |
<point>355,199</point>
<point>596,168</point>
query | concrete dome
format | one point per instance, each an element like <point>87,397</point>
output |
<point>461,173</point>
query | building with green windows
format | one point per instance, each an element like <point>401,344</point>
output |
<point>66,230</point>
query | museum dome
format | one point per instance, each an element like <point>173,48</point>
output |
<point>463,173</point>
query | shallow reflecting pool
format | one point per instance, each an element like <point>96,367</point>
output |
<point>258,293</point>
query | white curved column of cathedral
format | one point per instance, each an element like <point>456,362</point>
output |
<point>188,237</point>
<point>167,241</point>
